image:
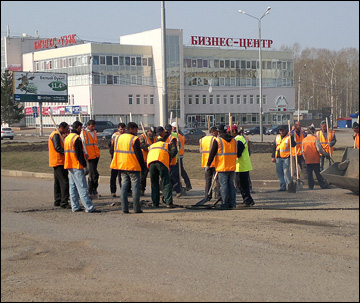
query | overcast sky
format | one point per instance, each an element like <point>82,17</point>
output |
<point>331,25</point>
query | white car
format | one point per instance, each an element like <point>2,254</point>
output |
<point>7,132</point>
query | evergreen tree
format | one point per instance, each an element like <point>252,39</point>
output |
<point>11,112</point>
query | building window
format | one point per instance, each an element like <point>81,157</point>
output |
<point>222,63</point>
<point>222,81</point>
<point>204,99</point>
<point>116,60</point>
<point>116,80</point>
<point>138,61</point>
<point>205,63</point>
<point>238,99</point>
<point>121,60</point>
<point>137,99</point>
<point>102,79</point>
<point>133,61</point>
<point>197,99</point>
<point>127,61</point>
<point>102,60</point>
<point>37,66</point>
<point>199,63</point>
<point>225,99</point>
<point>217,99</point>
<point>231,99</point>
<point>151,99</point>
<point>144,61</point>
<point>190,99</point>
<point>257,99</point>
<point>109,79</point>
<point>96,79</point>
<point>130,99</point>
<point>264,99</point>
<point>146,99</point>
<point>245,99</point>
<point>251,99</point>
<point>211,99</point>
<point>95,60</point>
<point>193,63</point>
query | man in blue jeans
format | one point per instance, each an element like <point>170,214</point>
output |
<point>281,155</point>
<point>75,163</point>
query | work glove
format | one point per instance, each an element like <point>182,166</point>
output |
<point>207,168</point>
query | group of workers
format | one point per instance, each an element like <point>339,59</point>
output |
<point>225,157</point>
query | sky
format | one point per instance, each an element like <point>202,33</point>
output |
<point>331,25</point>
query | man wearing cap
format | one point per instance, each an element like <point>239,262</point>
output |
<point>281,156</point>
<point>205,147</point>
<point>181,155</point>
<point>311,153</point>
<point>324,141</point>
<point>355,128</point>
<point>158,162</point>
<point>145,141</point>
<point>174,169</point>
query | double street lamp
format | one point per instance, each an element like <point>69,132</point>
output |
<point>260,67</point>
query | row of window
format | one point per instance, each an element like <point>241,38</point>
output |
<point>236,64</point>
<point>225,99</point>
<point>96,60</point>
<point>233,81</point>
<point>147,99</point>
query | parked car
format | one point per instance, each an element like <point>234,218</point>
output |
<point>106,134</point>
<point>7,132</point>
<point>254,130</point>
<point>102,125</point>
<point>273,130</point>
<point>193,134</point>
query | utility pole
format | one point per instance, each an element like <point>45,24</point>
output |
<point>164,104</point>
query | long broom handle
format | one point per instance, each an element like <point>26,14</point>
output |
<point>212,183</point>
<point>178,138</point>
<point>291,168</point>
<point>146,138</point>
<point>328,135</point>
<point>61,137</point>
<point>355,136</point>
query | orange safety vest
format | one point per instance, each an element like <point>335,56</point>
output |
<point>124,155</point>
<point>148,141</point>
<point>91,145</point>
<point>325,142</point>
<point>282,146</point>
<point>55,158</point>
<point>205,147</point>
<point>225,159</point>
<point>298,140</point>
<point>309,150</point>
<point>357,141</point>
<point>168,140</point>
<point>71,161</point>
<point>159,151</point>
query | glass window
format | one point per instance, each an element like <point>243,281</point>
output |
<point>151,99</point>
<point>232,63</point>
<point>217,99</point>
<point>150,60</point>
<point>116,60</point>
<point>137,99</point>
<point>187,62</point>
<point>144,61</point>
<point>96,79</point>
<point>205,63</point>
<point>133,80</point>
<point>238,99</point>
<point>127,60</point>
<point>222,81</point>
<point>146,99</point>
<point>232,81</point>
<point>139,80</point>
<point>253,64</point>
<point>133,61</point>
<point>121,60</point>
<point>130,99</point>
<point>190,99</point>
<point>204,99</point>
<point>245,99</point>
<point>108,60</point>
<point>211,99</point>
<point>193,63</point>
<point>109,79</point>
<point>116,80</point>
<point>138,61</point>
<point>222,63</point>
<point>225,99</point>
<point>216,64</point>
<point>257,99</point>
<point>211,63</point>
<point>102,60</point>
<point>199,63</point>
<point>243,64</point>
<point>264,99</point>
<point>197,99</point>
<point>95,60</point>
<point>248,64</point>
<point>231,99</point>
<point>102,79</point>
<point>227,63</point>
<point>251,99</point>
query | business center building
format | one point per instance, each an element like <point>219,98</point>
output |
<point>212,77</point>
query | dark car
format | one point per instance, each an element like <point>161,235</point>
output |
<point>106,134</point>
<point>193,134</point>
<point>273,130</point>
<point>254,130</point>
<point>102,125</point>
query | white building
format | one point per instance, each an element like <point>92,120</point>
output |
<point>107,81</point>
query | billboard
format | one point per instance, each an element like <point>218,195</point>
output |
<point>40,87</point>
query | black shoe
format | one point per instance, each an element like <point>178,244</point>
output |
<point>80,209</point>
<point>170,205</point>
<point>188,188</point>
<point>138,211</point>
<point>95,211</point>
<point>56,204</point>
<point>242,205</point>
<point>281,189</point>
<point>66,206</point>
<point>125,211</point>
<point>155,206</point>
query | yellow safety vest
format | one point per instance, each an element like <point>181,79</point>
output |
<point>324,142</point>
<point>298,140</point>
<point>147,139</point>
<point>243,163</point>
<point>124,155</point>
<point>311,155</point>
<point>71,161</point>
<point>282,146</point>
<point>205,148</point>
<point>159,151</point>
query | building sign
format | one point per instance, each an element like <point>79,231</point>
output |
<point>231,42</point>
<point>14,67</point>
<point>55,42</point>
<point>40,87</point>
<point>58,110</point>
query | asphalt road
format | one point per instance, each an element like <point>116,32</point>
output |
<point>289,248</point>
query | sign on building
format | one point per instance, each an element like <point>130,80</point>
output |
<point>40,87</point>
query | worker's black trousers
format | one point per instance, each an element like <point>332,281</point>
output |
<point>209,175</point>
<point>242,182</point>
<point>61,186</point>
<point>115,173</point>
<point>316,169</point>
<point>93,177</point>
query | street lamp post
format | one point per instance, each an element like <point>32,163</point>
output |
<point>299,91</point>
<point>260,68</point>
<point>308,102</point>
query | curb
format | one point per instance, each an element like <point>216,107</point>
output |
<point>105,179</point>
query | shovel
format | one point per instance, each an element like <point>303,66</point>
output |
<point>206,199</point>
<point>292,184</point>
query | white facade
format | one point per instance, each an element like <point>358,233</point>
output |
<point>111,80</point>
